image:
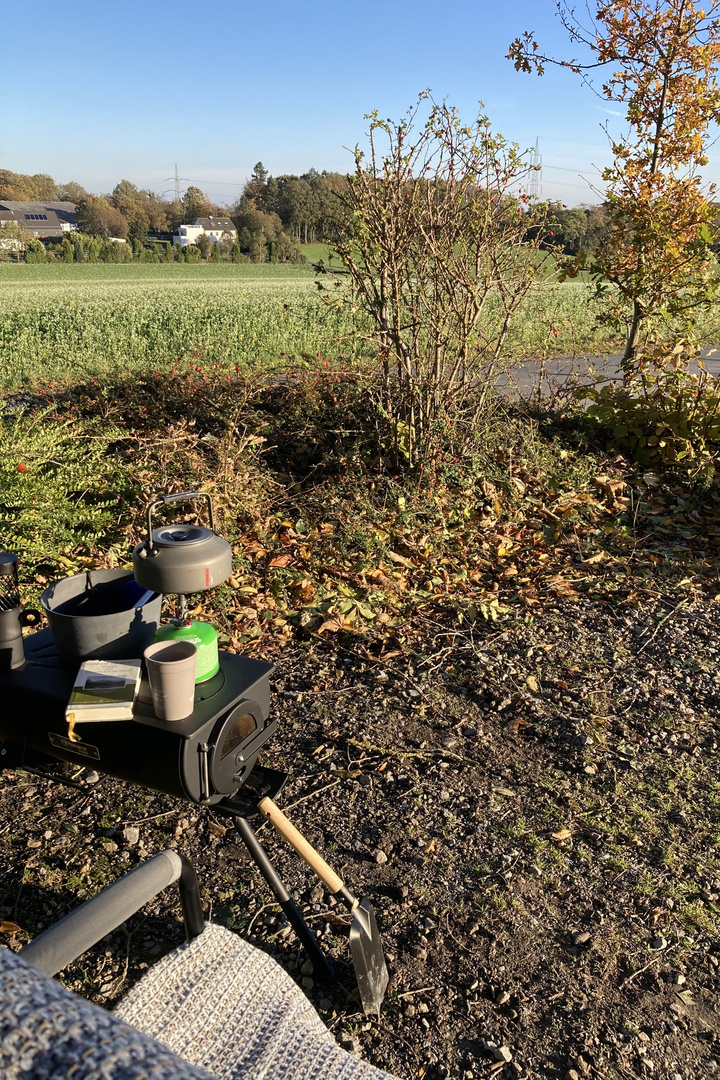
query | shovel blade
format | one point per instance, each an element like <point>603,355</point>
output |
<point>368,958</point>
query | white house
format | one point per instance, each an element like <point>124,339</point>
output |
<point>215,228</point>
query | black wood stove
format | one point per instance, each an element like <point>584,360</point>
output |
<point>210,758</point>
<point>203,759</point>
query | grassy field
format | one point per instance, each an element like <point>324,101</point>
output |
<point>316,252</point>
<point>60,323</point>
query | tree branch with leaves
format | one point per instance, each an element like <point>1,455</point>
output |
<point>661,59</point>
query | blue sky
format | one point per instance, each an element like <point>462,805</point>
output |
<point>101,92</point>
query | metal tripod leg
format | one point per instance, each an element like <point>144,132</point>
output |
<point>321,966</point>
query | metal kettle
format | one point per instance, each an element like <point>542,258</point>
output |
<point>181,558</point>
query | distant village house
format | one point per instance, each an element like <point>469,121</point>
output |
<point>215,228</point>
<point>45,220</point>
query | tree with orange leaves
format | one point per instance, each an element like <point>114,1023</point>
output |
<point>661,58</point>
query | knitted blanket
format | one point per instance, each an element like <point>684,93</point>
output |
<point>227,1007</point>
<point>46,1033</point>
<point>215,1009</point>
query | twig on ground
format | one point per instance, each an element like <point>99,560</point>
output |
<point>420,990</point>
<point>312,794</point>
<point>640,971</point>
<point>259,911</point>
<point>153,817</point>
<point>411,753</point>
<point>660,625</point>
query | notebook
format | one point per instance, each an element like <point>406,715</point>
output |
<point>103,690</point>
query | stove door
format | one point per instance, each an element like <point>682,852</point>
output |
<point>236,741</point>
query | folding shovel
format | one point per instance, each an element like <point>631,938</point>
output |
<point>365,945</point>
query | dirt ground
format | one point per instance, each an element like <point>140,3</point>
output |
<point>532,806</point>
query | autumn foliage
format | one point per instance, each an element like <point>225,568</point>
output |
<point>659,58</point>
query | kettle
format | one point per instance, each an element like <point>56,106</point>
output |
<point>181,558</point>
<point>185,559</point>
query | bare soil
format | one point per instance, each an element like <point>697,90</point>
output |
<point>532,807</point>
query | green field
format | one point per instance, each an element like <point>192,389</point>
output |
<point>317,253</point>
<point>62,322</point>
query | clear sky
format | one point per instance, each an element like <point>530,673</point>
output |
<point>96,92</point>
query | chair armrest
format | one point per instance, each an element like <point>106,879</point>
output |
<point>78,931</point>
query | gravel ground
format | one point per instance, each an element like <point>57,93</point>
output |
<point>532,807</point>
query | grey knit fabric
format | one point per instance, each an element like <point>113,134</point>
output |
<point>227,1007</point>
<point>46,1033</point>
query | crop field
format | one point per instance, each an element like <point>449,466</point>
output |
<point>62,323</point>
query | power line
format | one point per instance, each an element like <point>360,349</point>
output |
<point>564,168</point>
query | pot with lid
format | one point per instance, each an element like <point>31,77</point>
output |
<point>181,559</point>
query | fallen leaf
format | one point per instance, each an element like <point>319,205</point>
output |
<point>563,834</point>
<point>280,560</point>
<point>515,725</point>
<point>400,560</point>
<point>216,830</point>
<point>336,920</point>
<point>9,927</point>
<point>532,684</point>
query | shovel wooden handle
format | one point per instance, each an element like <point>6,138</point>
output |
<point>304,849</point>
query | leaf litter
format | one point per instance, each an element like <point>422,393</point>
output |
<point>511,695</point>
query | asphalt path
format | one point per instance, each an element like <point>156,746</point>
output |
<point>564,372</point>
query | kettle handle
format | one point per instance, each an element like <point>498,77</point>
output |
<point>183,496</point>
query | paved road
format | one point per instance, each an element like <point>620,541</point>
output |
<point>565,371</point>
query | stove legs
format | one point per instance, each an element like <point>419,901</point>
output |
<point>321,966</point>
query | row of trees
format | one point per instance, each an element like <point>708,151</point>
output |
<point>273,216</point>
<point>307,205</point>
<point>81,247</point>
<point>19,187</point>
<point>137,214</point>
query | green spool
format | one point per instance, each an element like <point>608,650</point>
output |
<point>203,636</point>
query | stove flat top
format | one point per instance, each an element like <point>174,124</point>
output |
<point>43,686</point>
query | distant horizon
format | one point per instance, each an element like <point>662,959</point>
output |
<point>207,185</point>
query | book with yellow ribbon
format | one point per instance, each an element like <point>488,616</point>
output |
<point>103,690</point>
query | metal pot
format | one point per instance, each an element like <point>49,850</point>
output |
<point>93,617</point>
<point>182,558</point>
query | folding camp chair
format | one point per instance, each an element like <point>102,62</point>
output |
<point>216,1008</point>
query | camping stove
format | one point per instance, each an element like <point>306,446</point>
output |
<point>204,758</point>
